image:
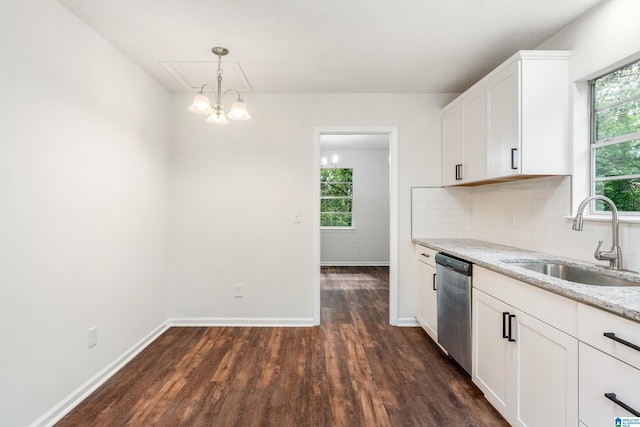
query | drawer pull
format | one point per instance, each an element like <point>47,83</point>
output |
<point>612,397</point>
<point>613,336</point>
<point>425,255</point>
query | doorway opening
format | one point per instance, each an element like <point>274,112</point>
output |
<point>348,141</point>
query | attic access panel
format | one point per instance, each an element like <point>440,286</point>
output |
<point>193,74</point>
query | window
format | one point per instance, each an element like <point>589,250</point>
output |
<point>615,138</point>
<point>336,197</point>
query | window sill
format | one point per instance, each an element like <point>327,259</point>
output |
<point>627,219</point>
<point>338,229</point>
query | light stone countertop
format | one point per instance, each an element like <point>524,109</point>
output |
<point>621,300</point>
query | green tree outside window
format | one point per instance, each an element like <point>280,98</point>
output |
<point>616,138</point>
<point>336,197</point>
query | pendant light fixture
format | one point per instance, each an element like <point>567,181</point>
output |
<point>201,104</point>
<point>323,161</point>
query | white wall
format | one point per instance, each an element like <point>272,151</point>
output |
<point>368,243</point>
<point>233,191</point>
<point>82,206</point>
<point>600,40</point>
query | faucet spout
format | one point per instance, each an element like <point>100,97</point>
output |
<point>577,222</point>
<point>614,256</point>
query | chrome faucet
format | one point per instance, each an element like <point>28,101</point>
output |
<point>614,256</point>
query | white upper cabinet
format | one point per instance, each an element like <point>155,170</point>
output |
<point>503,122</point>
<point>473,135</point>
<point>463,139</point>
<point>452,162</point>
<point>512,123</point>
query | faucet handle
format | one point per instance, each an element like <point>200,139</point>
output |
<point>597,254</point>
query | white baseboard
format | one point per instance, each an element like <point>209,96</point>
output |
<point>354,264</point>
<point>234,321</point>
<point>407,321</point>
<point>56,413</point>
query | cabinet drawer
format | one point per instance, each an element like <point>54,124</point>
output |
<point>600,374</point>
<point>556,310</point>
<point>426,255</point>
<point>593,323</point>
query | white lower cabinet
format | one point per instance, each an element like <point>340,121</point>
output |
<point>609,367</point>
<point>546,375</point>
<point>492,362</point>
<point>526,368</point>
<point>427,302</point>
<point>544,360</point>
<point>602,374</point>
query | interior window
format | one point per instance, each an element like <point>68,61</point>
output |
<point>336,197</point>
<point>615,138</point>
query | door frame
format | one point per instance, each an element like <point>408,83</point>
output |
<point>394,224</point>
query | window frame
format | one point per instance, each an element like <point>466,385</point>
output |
<point>351,198</point>
<point>594,144</point>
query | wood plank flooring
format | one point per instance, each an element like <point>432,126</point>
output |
<point>353,370</point>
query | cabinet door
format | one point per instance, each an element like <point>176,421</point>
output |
<point>451,146</point>
<point>600,374</point>
<point>492,352</point>
<point>426,309</point>
<point>503,122</point>
<point>546,374</point>
<point>474,152</point>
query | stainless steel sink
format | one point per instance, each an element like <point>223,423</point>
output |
<point>575,274</point>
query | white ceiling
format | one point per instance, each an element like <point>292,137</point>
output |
<point>327,46</point>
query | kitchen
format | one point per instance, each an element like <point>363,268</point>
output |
<point>68,171</point>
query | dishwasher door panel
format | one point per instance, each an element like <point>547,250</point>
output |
<point>454,315</point>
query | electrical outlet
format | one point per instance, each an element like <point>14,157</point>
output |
<point>237,291</point>
<point>93,336</point>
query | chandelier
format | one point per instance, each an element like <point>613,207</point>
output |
<point>201,104</point>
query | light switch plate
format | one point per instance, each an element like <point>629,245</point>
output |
<point>93,336</point>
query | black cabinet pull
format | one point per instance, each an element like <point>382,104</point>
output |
<point>612,397</point>
<point>434,282</point>
<point>613,336</point>
<point>511,316</point>
<point>514,163</point>
<point>425,255</point>
<point>505,316</point>
<point>459,172</point>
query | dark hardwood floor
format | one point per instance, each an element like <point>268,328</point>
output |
<point>353,370</point>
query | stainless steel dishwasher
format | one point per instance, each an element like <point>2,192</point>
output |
<point>453,277</point>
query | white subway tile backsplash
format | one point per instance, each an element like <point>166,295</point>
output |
<point>441,212</point>
<point>539,208</point>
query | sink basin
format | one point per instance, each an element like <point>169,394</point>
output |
<point>575,274</point>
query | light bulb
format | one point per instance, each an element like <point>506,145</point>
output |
<point>200,104</point>
<point>217,117</point>
<point>239,111</point>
